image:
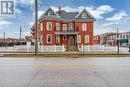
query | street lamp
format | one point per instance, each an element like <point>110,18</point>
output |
<point>118,50</point>
<point>36,25</point>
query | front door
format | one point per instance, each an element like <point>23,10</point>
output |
<point>71,41</point>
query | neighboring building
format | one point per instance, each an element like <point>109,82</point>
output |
<point>123,39</point>
<point>65,28</point>
<point>7,41</point>
<point>110,39</point>
<point>104,37</point>
<point>96,40</point>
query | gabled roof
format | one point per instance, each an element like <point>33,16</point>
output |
<point>67,15</point>
<point>79,16</point>
<point>61,14</point>
<point>52,14</point>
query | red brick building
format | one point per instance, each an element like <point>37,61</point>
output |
<point>65,28</point>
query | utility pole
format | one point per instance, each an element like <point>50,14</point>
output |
<point>20,35</point>
<point>118,50</point>
<point>36,29</point>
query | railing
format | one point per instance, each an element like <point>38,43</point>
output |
<point>66,28</point>
<point>54,48</point>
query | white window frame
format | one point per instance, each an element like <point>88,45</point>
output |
<point>84,15</point>
<point>87,38</point>
<point>48,37</point>
<point>84,27</point>
<point>78,38</point>
<point>58,26</point>
<point>47,25</point>
<point>64,27</point>
<point>57,39</point>
<point>41,25</point>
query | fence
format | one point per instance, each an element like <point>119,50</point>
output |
<point>62,48</point>
<point>100,48</point>
<point>32,49</point>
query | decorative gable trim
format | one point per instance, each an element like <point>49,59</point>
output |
<point>54,14</point>
<point>87,13</point>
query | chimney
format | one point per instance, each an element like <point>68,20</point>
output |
<point>59,10</point>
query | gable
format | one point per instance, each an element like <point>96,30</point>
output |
<point>50,14</point>
<point>84,15</point>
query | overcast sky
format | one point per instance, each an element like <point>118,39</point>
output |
<point>110,14</point>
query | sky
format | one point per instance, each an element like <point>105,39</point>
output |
<point>109,14</point>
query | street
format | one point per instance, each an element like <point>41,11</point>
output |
<point>65,72</point>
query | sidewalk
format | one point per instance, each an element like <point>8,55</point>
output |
<point>68,54</point>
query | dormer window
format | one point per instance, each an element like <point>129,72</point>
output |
<point>49,14</point>
<point>84,15</point>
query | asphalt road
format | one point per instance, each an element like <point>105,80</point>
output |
<point>65,72</point>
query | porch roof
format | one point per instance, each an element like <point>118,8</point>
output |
<point>66,33</point>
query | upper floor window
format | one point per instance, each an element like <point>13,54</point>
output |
<point>57,26</point>
<point>71,27</point>
<point>84,15</point>
<point>49,26</point>
<point>49,38</point>
<point>41,26</point>
<point>86,38</point>
<point>84,27</point>
<point>64,27</point>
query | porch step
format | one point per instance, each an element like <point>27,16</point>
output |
<point>72,48</point>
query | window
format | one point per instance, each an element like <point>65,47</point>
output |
<point>71,27</point>
<point>41,26</point>
<point>49,13</point>
<point>57,39</point>
<point>58,26</point>
<point>78,39</point>
<point>49,38</point>
<point>64,37</point>
<point>86,38</point>
<point>64,27</point>
<point>49,26</point>
<point>84,15</point>
<point>84,27</point>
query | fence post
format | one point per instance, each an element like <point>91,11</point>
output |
<point>28,48</point>
<point>88,48</point>
<point>55,48</point>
